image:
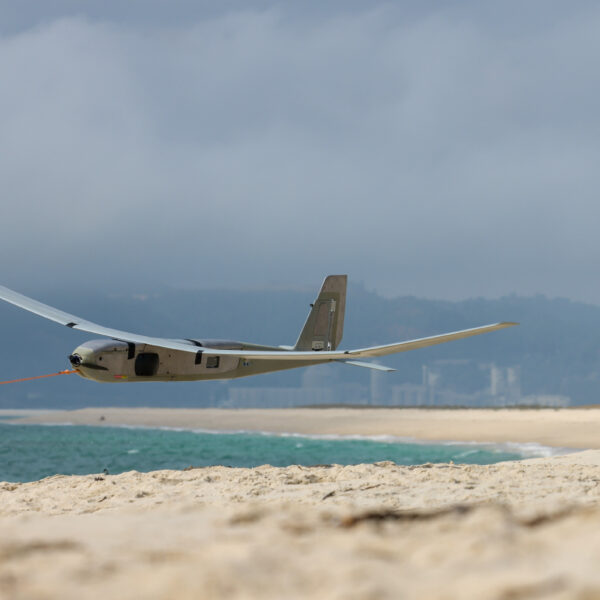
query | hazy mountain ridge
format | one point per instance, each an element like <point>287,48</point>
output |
<point>557,345</point>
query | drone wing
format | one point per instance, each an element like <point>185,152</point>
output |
<point>59,316</point>
<point>370,352</point>
<point>348,356</point>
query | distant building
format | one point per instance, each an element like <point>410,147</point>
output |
<point>464,383</point>
<point>277,397</point>
<point>408,394</point>
<point>444,383</point>
<point>505,382</point>
<point>379,388</point>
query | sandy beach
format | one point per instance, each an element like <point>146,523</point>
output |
<point>524,529</point>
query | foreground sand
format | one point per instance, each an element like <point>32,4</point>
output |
<point>566,428</point>
<point>517,530</point>
<point>528,529</point>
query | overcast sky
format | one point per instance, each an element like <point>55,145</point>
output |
<point>440,149</point>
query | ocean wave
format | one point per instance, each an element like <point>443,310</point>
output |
<point>522,449</point>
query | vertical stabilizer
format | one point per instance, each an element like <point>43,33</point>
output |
<point>324,327</point>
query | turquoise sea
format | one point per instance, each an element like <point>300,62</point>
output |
<point>31,452</point>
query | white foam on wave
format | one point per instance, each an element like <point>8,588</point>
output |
<point>523,449</point>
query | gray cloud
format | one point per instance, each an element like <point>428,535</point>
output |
<point>448,151</point>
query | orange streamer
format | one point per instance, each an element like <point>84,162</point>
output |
<point>65,372</point>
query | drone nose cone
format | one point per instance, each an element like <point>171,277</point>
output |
<point>75,359</point>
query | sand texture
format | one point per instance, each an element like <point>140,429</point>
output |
<point>566,428</point>
<point>528,529</point>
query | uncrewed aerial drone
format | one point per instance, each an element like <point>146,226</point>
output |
<point>132,357</point>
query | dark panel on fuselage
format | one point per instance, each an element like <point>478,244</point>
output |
<point>146,364</point>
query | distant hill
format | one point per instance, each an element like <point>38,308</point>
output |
<point>557,345</point>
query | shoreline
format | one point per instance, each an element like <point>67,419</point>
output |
<point>562,429</point>
<point>527,450</point>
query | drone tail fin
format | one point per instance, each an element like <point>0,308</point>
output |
<point>324,326</point>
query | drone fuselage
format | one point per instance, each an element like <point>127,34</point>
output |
<point>114,361</point>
